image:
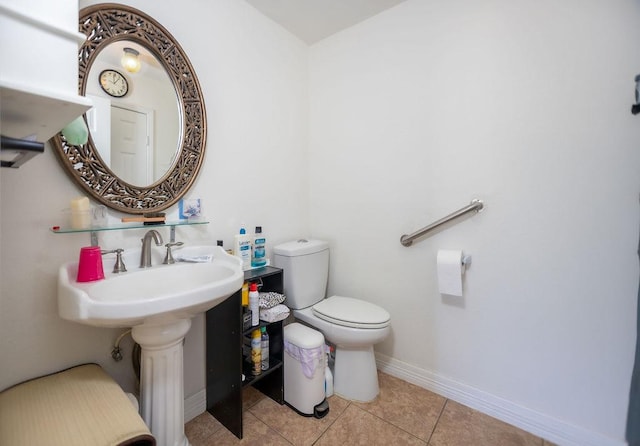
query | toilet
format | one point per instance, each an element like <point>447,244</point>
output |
<point>352,325</point>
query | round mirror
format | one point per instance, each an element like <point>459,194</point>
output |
<point>148,125</point>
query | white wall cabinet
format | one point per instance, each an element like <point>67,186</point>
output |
<point>39,72</point>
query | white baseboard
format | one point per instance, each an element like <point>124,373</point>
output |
<point>195,405</point>
<point>551,429</point>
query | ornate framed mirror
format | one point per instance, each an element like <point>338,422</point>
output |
<point>172,131</point>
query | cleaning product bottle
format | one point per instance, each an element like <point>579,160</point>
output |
<point>256,354</point>
<point>254,304</point>
<point>264,347</point>
<point>246,312</point>
<point>245,294</point>
<point>242,248</point>
<point>259,253</point>
<point>328,377</point>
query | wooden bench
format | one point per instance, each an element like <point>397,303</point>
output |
<point>78,406</point>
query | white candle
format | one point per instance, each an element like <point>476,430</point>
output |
<point>80,213</point>
<point>80,204</point>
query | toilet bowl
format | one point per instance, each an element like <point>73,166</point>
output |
<point>355,372</point>
<point>352,325</point>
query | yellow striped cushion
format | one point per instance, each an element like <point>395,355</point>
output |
<point>79,406</point>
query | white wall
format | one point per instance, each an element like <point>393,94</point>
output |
<point>253,76</point>
<point>525,105</point>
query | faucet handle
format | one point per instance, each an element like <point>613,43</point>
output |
<point>168,258</point>
<point>119,266</point>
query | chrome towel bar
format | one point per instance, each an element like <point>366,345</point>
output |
<point>476,205</point>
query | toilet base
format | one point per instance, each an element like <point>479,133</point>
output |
<point>356,374</point>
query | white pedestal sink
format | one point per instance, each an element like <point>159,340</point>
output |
<point>158,303</point>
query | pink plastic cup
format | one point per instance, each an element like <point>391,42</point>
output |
<point>90,264</point>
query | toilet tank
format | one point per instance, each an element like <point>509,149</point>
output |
<point>306,270</point>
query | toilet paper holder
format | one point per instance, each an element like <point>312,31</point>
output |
<point>466,261</point>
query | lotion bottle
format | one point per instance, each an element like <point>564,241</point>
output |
<point>242,248</point>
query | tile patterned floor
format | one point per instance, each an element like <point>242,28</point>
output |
<point>403,414</point>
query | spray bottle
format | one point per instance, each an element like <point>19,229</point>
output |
<point>254,304</point>
<point>256,353</point>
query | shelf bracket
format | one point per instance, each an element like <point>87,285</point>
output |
<point>94,238</point>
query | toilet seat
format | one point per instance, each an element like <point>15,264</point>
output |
<point>350,312</point>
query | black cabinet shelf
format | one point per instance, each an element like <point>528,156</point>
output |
<point>253,379</point>
<point>225,339</point>
<point>248,331</point>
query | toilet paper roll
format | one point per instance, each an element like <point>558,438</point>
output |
<point>450,272</point>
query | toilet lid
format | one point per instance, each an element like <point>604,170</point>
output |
<point>350,312</point>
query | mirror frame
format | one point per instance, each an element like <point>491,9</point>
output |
<point>106,23</point>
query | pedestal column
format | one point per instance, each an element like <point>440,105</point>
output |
<point>162,379</point>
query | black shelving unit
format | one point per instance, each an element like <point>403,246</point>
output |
<point>225,363</point>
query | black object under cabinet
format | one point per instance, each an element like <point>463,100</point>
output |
<point>15,152</point>
<point>224,354</point>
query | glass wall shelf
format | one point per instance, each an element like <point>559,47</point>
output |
<point>123,226</point>
<point>120,226</point>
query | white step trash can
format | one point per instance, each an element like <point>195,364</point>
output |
<point>304,365</point>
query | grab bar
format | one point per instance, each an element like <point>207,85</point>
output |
<point>475,205</point>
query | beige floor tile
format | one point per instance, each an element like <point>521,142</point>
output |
<point>403,414</point>
<point>297,429</point>
<point>461,426</point>
<point>250,397</point>
<point>201,428</point>
<point>255,433</point>
<point>359,427</point>
<point>407,406</point>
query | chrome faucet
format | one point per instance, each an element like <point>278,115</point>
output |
<point>118,267</point>
<point>168,258</point>
<point>145,255</point>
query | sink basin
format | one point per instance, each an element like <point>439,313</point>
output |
<point>161,292</point>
